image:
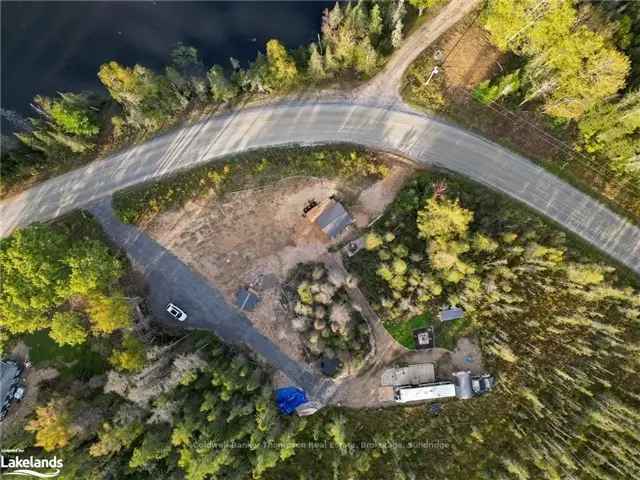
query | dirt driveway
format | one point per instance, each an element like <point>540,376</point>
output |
<point>245,236</point>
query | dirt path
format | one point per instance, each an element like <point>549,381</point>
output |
<point>385,86</point>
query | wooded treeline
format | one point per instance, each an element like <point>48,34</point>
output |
<point>558,326</point>
<point>67,281</point>
<point>581,62</point>
<point>355,39</point>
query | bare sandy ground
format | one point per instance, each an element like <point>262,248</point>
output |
<point>236,240</point>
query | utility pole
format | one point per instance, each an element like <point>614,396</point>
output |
<point>435,71</point>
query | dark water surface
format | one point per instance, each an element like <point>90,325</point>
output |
<point>59,46</point>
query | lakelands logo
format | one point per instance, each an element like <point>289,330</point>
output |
<point>30,466</point>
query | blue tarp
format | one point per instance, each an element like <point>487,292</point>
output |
<point>289,398</point>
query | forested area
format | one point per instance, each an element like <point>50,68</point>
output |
<point>581,63</point>
<point>559,326</point>
<point>560,86</point>
<point>64,279</point>
<point>75,127</point>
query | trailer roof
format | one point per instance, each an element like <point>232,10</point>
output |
<point>429,392</point>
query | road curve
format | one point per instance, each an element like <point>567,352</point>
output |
<point>422,139</point>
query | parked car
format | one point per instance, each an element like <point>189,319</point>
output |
<point>482,384</point>
<point>18,394</point>
<point>176,312</point>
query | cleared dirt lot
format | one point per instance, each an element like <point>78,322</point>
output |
<point>245,236</point>
<point>471,57</point>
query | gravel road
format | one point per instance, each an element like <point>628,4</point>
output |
<point>425,140</point>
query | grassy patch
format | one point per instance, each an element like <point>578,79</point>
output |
<point>244,171</point>
<point>446,333</point>
<point>72,362</point>
<point>403,331</point>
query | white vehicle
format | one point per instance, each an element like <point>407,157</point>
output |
<point>18,394</point>
<point>176,312</point>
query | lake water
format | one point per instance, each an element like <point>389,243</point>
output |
<point>59,46</point>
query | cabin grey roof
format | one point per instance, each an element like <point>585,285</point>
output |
<point>333,218</point>
<point>8,373</point>
<point>452,313</point>
<point>462,382</point>
<point>246,299</point>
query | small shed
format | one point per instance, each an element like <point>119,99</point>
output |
<point>331,217</point>
<point>424,338</point>
<point>451,313</point>
<point>246,299</point>
<point>329,366</point>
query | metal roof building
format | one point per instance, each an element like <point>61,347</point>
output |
<point>331,217</point>
<point>451,313</point>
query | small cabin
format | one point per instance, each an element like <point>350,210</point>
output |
<point>331,217</point>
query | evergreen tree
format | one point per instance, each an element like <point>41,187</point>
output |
<point>375,21</point>
<point>67,124</point>
<point>316,64</point>
<point>221,89</point>
<point>282,70</point>
<point>612,130</point>
<point>146,97</point>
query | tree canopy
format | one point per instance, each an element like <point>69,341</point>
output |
<point>571,66</point>
<point>43,269</point>
<point>52,426</point>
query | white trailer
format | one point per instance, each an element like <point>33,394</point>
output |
<point>431,391</point>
